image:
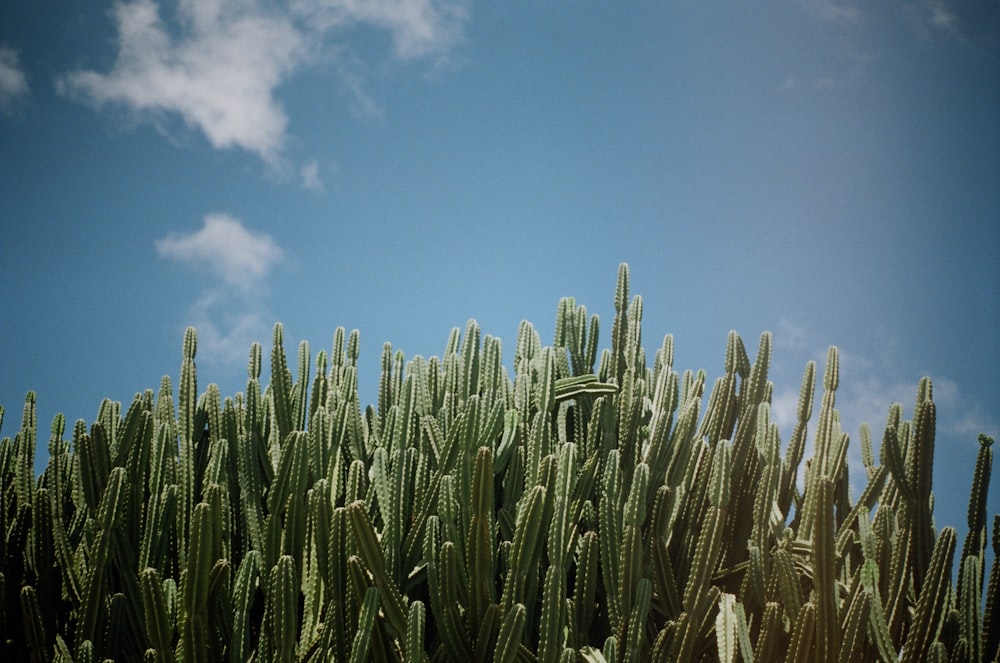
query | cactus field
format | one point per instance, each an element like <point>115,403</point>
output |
<point>596,505</point>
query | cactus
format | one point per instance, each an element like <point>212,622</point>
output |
<point>932,599</point>
<point>587,507</point>
<point>975,542</point>
<point>991,615</point>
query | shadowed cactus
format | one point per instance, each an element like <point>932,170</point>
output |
<point>589,508</point>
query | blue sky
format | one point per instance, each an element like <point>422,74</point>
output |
<point>827,171</point>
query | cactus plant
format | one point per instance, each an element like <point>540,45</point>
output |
<point>588,507</point>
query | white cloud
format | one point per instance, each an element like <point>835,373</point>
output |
<point>789,83</point>
<point>219,76</point>
<point>13,82</point>
<point>833,11</point>
<point>230,312</point>
<point>933,17</point>
<point>352,74</point>
<point>784,407</point>
<point>310,177</point>
<point>418,27</point>
<point>943,18</point>
<point>228,250</point>
<point>227,326</point>
<point>220,64</point>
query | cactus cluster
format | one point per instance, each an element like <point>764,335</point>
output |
<point>592,508</point>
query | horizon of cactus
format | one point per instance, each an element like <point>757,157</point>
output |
<point>592,508</point>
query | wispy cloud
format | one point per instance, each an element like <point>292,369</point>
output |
<point>828,10</point>
<point>219,65</point>
<point>310,177</point>
<point>227,249</point>
<point>419,27</point>
<point>13,82</point>
<point>930,18</point>
<point>230,312</point>
<point>352,76</point>
<point>227,325</point>
<point>792,83</point>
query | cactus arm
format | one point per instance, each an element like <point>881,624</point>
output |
<point>158,627</point>
<point>802,648</point>
<point>932,599</point>
<point>200,559</point>
<point>991,615</point>
<point>975,540</point>
<point>371,554</point>
<point>511,629</point>
<point>416,621</point>
<point>579,386</point>
<point>366,623</point>
<point>631,551</point>
<point>725,628</point>
<point>633,644</point>
<point>824,566</point>
<point>968,605</point>
<point>524,550</point>
<point>283,593</point>
<point>243,598</point>
<point>770,636</point>
<point>34,625</point>
<point>878,628</point>
<point>920,465</point>
<point>450,583</point>
<point>854,626</point>
<point>479,549</point>
<point>187,406</point>
<point>550,641</point>
<point>586,584</point>
<point>107,518</point>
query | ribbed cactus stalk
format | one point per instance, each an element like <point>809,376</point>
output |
<point>825,570</point>
<point>975,541</point>
<point>932,599</point>
<point>991,615</point>
<point>920,466</point>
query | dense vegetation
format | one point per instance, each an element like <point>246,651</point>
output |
<point>593,508</point>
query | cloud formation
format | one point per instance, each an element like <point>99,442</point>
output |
<point>419,27</point>
<point>227,326</point>
<point>13,82</point>
<point>218,66</point>
<point>930,18</point>
<point>219,75</point>
<point>835,12</point>
<point>310,177</point>
<point>230,312</point>
<point>224,247</point>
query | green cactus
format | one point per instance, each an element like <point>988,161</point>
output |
<point>158,624</point>
<point>991,614</point>
<point>587,507</point>
<point>366,622</point>
<point>511,630</point>
<point>932,599</point>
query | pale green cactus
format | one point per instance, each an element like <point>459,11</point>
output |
<point>366,622</point>
<point>932,599</point>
